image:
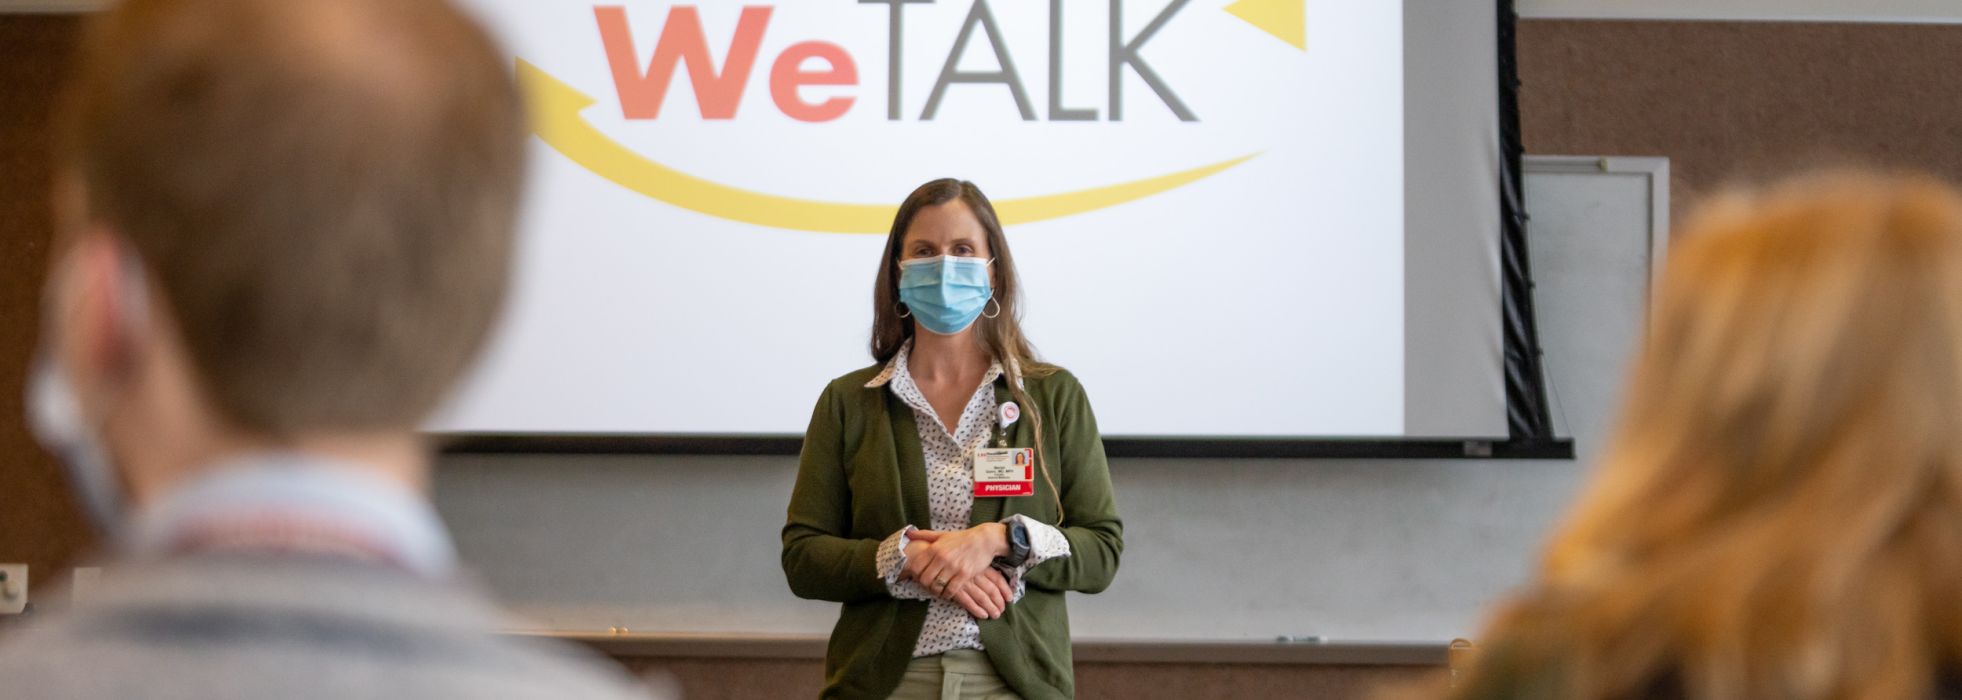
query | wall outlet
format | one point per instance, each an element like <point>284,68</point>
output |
<point>13,589</point>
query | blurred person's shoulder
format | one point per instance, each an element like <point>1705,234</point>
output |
<point>235,627</point>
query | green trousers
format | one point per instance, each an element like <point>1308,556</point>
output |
<point>961,674</point>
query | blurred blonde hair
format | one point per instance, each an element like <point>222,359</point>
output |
<point>1780,513</point>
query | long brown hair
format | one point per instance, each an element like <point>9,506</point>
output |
<point>1780,513</point>
<point>1000,333</point>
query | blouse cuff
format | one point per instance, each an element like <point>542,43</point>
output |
<point>891,560</point>
<point>1045,543</point>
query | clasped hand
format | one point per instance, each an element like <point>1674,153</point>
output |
<point>957,566</point>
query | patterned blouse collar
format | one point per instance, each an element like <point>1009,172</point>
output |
<point>897,367</point>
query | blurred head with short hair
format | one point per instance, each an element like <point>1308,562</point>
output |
<point>1780,513</point>
<point>285,227</point>
<point>282,224</point>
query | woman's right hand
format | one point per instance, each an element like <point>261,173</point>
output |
<point>985,597</point>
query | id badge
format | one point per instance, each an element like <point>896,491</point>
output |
<point>1004,471</point>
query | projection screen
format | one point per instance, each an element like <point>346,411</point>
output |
<point>1251,219</point>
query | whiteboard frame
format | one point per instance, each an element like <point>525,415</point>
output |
<point>1654,168</point>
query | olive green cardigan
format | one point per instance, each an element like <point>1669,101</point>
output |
<point>863,477</point>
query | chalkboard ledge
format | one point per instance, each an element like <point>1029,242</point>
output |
<point>1119,447</point>
<point>627,645</point>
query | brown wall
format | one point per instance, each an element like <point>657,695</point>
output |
<point>39,526</point>
<point>1734,101</point>
<point>1722,100</point>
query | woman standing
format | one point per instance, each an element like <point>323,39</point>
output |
<point>951,493</point>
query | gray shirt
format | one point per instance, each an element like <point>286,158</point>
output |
<point>238,625</point>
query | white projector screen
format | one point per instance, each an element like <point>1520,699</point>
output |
<point>1240,219</point>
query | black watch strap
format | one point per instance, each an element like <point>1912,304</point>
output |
<point>1018,543</point>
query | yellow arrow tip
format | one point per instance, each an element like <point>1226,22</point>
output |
<point>546,97</point>
<point>1286,20</point>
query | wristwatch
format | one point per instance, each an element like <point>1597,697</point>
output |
<point>1018,543</point>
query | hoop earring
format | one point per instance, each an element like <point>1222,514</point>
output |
<point>997,312</point>
<point>903,310</point>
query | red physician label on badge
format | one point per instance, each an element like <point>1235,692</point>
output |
<point>1004,488</point>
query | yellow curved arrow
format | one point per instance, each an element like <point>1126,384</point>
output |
<point>554,108</point>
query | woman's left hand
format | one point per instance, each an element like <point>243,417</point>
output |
<point>951,558</point>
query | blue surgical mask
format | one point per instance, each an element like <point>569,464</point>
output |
<point>945,293</point>
<point>55,414</point>
<point>56,417</point>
